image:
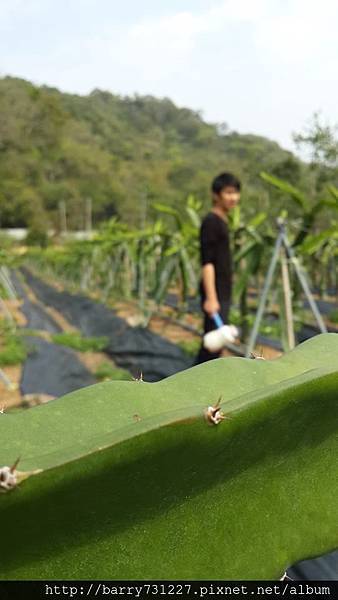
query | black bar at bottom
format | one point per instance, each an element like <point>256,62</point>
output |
<point>80,589</point>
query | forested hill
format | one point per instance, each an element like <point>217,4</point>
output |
<point>123,153</point>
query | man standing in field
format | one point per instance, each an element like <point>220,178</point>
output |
<point>216,281</point>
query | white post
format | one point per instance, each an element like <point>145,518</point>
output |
<point>63,216</point>
<point>88,215</point>
<point>287,300</point>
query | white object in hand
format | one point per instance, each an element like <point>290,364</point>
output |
<point>8,479</point>
<point>215,340</point>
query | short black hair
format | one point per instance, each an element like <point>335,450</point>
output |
<point>225,180</point>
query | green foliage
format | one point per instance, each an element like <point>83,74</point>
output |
<point>37,236</point>
<point>314,242</point>
<point>191,347</point>
<point>334,191</point>
<point>123,153</point>
<point>27,332</point>
<point>106,371</point>
<point>333,315</point>
<point>77,342</point>
<point>124,261</point>
<point>12,349</point>
<point>14,353</point>
<point>321,140</point>
<point>285,187</point>
<point>274,329</point>
<point>309,211</point>
<point>6,243</point>
<point>127,472</point>
<point>289,169</point>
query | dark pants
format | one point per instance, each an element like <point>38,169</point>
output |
<point>209,325</point>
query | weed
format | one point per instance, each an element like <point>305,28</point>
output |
<point>12,349</point>
<point>82,344</point>
<point>106,371</point>
<point>191,347</point>
<point>333,315</point>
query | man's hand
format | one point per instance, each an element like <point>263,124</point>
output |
<point>211,307</point>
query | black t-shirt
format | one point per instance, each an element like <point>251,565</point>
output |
<point>215,249</point>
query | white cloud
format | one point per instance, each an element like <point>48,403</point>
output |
<point>173,37</point>
<point>304,31</point>
<point>261,65</point>
<point>165,46</point>
<point>277,33</point>
<point>11,10</point>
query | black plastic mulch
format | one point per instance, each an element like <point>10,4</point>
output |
<point>53,369</point>
<point>49,368</point>
<point>37,317</point>
<point>133,348</point>
<point>324,568</point>
<point>323,306</point>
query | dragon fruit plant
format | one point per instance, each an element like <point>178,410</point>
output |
<point>227,470</point>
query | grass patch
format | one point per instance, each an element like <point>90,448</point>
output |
<point>79,343</point>
<point>4,292</point>
<point>191,347</point>
<point>26,332</point>
<point>12,349</point>
<point>333,315</point>
<point>106,371</point>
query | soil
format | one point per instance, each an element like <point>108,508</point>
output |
<point>92,360</point>
<point>10,397</point>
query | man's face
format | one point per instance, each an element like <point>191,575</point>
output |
<point>228,198</point>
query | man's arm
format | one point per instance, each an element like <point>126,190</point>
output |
<point>209,240</point>
<point>211,304</point>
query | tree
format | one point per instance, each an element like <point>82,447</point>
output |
<point>321,140</point>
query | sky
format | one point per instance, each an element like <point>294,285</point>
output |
<point>260,66</point>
